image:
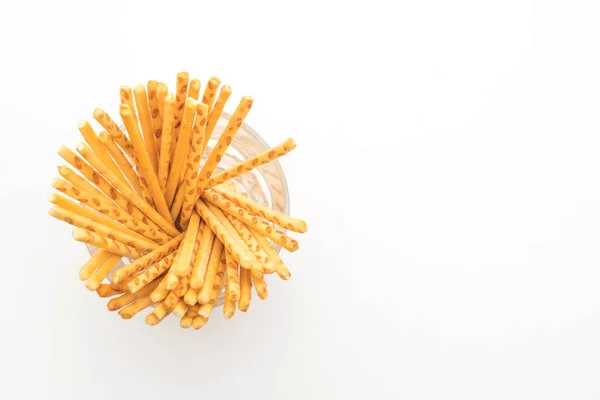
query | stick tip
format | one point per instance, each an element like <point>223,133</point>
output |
<point>98,113</point>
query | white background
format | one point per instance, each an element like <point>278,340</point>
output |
<point>447,166</point>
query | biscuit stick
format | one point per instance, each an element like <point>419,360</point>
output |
<point>92,265</point>
<point>254,162</point>
<point>280,268</point>
<point>206,309</point>
<point>245,290</point>
<point>154,256</point>
<point>215,113</point>
<point>180,308</point>
<point>161,94</point>
<point>232,283</point>
<point>154,105</point>
<point>121,160</point>
<point>145,118</point>
<point>127,98</point>
<point>104,290</point>
<point>201,259</point>
<point>149,275</point>
<point>180,98</point>
<point>190,314</point>
<point>114,131</point>
<point>210,91</point>
<point>122,301</point>
<point>252,244</point>
<point>194,89</point>
<point>135,307</point>
<point>102,242</point>
<point>97,277</point>
<point>187,189</point>
<point>165,143</point>
<point>181,150</point>
<point>184,264</point>
<point>250,219</point>
<point>260,285</point>
<point>205,293</point>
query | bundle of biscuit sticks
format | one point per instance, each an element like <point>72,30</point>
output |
<point>143,193</point>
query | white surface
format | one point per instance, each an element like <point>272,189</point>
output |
<point>474,124</point>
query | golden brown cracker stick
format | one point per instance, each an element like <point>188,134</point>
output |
<point>130,239</point>
<point>99,275</point>
<point>180,309</point>
<point>223,143</point>
<point>132,177</point>
<point>201,259</point>
<point>145,119</point>
<point>190,314</point>
<point>135,307</point>
<point>94,142</point>
<point>126,298</point>
<point>276,217</point>
<point>114,131</point>
<point>181,150</point>
<point>127,98</point>
<point>232,283</point>
<point>186,194</point>
<point>254,162</point>
<point>154,256</point>
<point>206,309</point>
<point>137,282</point>
<point>231,240</point>
<point>180,99</point>
<point>260,285</point>
<point>205,292</point>
<point>163,223</point>
<point>280,268</point>
<point>210,91</point>
<point>93,263</point>
<point>152,319</point>
<point>250,219</point>
<point>194,89</point>
<point>165,144</point>
<point>102,242</point>
<point>229,308</point>
<point>161,94</point>
<point>105,290</point>
<point>215,113</point>
<point>160,291</point>
<point>253,245</point>
<point>185,263</point>
<point>154,104</point>
<point>173,298</point>
<point>245,289</point>
<point>100,204</point>
<point>191,296</point>
<point>198,322</point>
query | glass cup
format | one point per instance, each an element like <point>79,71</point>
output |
<point>265,184</point>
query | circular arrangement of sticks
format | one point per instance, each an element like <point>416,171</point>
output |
<point>145,194</point>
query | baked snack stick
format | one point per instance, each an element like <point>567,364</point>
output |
<point>94,142</point>
<point>280,268</point>
<point>215,113</point>
<point>191,296</point>
<point>232,241</point>
<point>260,285</point>
<point>210,91</point>
<point>85,212</point>
<point>186,194</point>
<point>251,220</point>
<point>223,143</point>
<point>117,134</point>
<point>206,309</point>
<point>165,144</point>
<point>127,98</point>
<point>105,290</point>
<point>276,217</point>
<point>199,321</point>
<point>93,263</point>
<point>205,292</point>
<point>154,104</point>
<point>124,165</point>
<point>102,271</point>
<point>201,260</point>
<point>131,310</point>
<point>180,99</point>
<point>229,308</point>
<point>254,162</point>
<point>149,275</point>
<point>245,290</point>
<point>161,94</point>
<point>102,242</point>
<point>146,172</point>
<point>183,144</point>
<point>232,283</point>
<point>252,244</point>
<point>149,227</point>
<point>159,313</point>
<point>173,298</point>
<point>131,239</point>
<point>185,262</point>
<point>143,262</point>
<point>145,119</point>
<point>99,204</point>
<point>126,298</point>
<point>180,308</point>
<point>190,314</point>
<point>194,89</point>
<point>164,224</point>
